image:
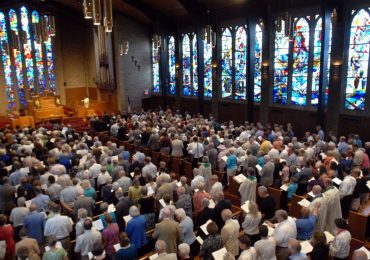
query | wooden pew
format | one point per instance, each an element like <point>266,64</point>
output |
<point>167,160</point>
<point>358,223</point>
<point>355,244</point>
<point>233,186</point>
<point>219,174</point>
<point>177,164</point>
<point>295,208</point>
<point>276,194</point>
<point>188,171</point>
<point>155,158</point>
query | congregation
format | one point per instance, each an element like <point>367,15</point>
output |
<point>84,195</point>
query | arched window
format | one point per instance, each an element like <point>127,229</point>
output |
<point>50,59</point>
<point>17,56</point>
<point>195,65</point>
<point>155,68</point>
<point>358,61</point>
<point>207,69</point>
<point>240,63</point>
<point>258,64</point>
<point>6,62</point>
<point>227,64</point>
<point>38,54</point>
<point>172,66</point>
<point>27,50</point>
<point>186,66</point>
<point>301,41</point>
<point>281,60</point>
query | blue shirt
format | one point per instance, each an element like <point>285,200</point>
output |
<point>305,227</point>
<point>102,217</point>
<point>125,155</point>
<point>126,253</point>
<point>135,229</point>
<point>35,223</point>
<point>292,188</point>
<point>231,162</point>
<point>42,202</point>
<point>298,256</point>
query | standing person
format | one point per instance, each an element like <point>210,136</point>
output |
<point>127,250</point>
<point>295,250</point>
<point>248,252</point>
<point>247,188</point>
<point>161,250</point>
<point>187,226</point>
<point>251,222</point>
<point>18,215</point>
<point>6,197</point>
<point>110,236</point>
<point>320,247</point>
<point>122,208</point>
<point>230,232</point>
<point>346,189</point>
<point>29,243</point>
<point>231,164</point>
<point>267,172</point>
<point>59,226</point>
<point>168,230</point>
<point>212,243</point>
<point>54,253</point>
<point>86,241</point>
<point>340,246</point>
<point>35,223</point>
<point>267,203</point>
<point>266,246</point>
<point>205,170</point>
<point>136,228</point>
<point>177,147</point>
<point>6,234</point>
<point>196,150</point>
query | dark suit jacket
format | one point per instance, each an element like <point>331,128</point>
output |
<point>122,209</point>
<point>221,205</point>
<point>204,216</point>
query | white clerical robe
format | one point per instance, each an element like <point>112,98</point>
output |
<point>322,213</point>
<point>247,190</point>
<point>332,200</point>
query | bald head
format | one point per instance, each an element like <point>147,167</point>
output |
<point>160,247</point>
<point>294,246</point>
<point>316,189</point>
<point>166,213</point>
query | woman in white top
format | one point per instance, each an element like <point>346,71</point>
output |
<point>340,246</point>
<point>265,248</point>
<point>252,221</point>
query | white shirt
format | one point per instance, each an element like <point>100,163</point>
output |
<point>104,178</point>
<point>17,216</point>
<point>347,186</point>
<point>197,179</point>
<point>341,244</point>
<point>59,226</point>
<point>284,231</point>
<point>265,249</point>
<point>249,254</point>
<point>251,223</point>
<point>197,150</point>
<point>86,241</point>
<point>149,169</point>
<point>94,170</point>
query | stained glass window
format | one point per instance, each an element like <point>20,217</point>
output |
<point>186,66</point>
<point>258,65</point>
<point>207,69</point>
<point>240,63</point>
<point>301,41</point>
<point>358,61</point>
<point>50,60</point>
<point>38,54</point>
<point>281,59</point>
<point>328,67</point>
<point>6,62</point>
<point>195,65</point>
<point>17,56</point>
<point>317,62</point>
<point>27,49</point>
<point>155,68</point>
<point>172,66</point>
<point>227,63</point>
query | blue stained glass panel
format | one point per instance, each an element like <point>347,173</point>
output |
<point>155,68</point>
<point>38,55</point>
<point>50,61</point>
<point>172,66</point>
<point>195,65</point>
<point>258,64</point>
<point>186,66</point>
<point>17,56</point>
<point>6,62</point>
<point>227,64</point>
<point>240,63</point>
<point>301,41</point>
<point>27,48</point>
<point>207,69</point>
<point>281,56</point>
<point>358,61</point>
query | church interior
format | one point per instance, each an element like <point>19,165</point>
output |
<point>184,129</point>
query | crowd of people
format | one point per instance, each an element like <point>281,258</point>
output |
<point>66,195</point>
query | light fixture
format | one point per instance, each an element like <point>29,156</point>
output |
<point>336,68</point>
<point>125,47</point>
<point>108,16</point>
<point>214,40</point>
<point>279,24</point>
<point>121,51</point>
<point>209,35</point>
<point>265,69</point>
<point>88,9</point>
<point>157,41</point>
<point>97,12</point>
<point>52,25</point>
<point>214,64</point>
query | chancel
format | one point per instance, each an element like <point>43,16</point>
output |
<point>184,129</point>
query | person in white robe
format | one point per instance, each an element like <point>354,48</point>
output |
<point>321,216</point>
<point>332,201</point>
<point>247,189</point>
